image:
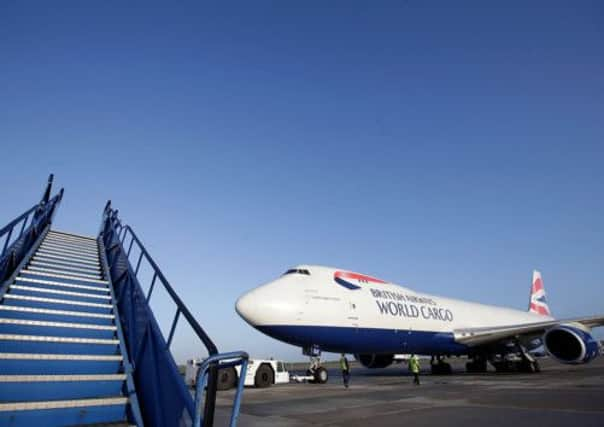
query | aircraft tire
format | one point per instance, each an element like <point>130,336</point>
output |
<point>227,378</point>
<point>476,366</point>
<point>441,368</point>
<point>321,375</point>
<point>264,377</point>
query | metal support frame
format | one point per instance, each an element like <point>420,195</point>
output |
<point>147,347</point>
<point>39,217</point>
<point>6,284</point>
<point>130,389</point>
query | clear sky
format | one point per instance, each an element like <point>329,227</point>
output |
<point>448,146</point>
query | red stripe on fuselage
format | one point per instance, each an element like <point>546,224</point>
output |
<point>357,276</point>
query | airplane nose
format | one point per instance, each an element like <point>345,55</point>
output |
<point>245,307</point>
<point>268,304</point>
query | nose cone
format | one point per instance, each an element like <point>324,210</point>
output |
<point>246,307</point>
<point>270,304</point>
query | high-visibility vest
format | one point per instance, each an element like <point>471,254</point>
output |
<point>344,364</point>
<point>414,364</point>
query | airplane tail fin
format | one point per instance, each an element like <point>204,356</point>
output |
<point>538,302</point>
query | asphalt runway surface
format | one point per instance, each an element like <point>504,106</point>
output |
<point>561,395</point>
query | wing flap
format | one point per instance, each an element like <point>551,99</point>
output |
<point>479,336</point>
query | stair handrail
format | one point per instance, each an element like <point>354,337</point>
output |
<point>114,235</point>
<point>39,217</point>
<point>225,360</point>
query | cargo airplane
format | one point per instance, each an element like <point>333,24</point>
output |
<point>327,309</point>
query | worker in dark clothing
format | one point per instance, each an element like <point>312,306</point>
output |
<point>345,370</point>
<point>414,368</point>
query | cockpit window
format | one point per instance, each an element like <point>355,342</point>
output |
<point>297,271</point>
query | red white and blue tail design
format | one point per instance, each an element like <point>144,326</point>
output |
<point>538,303</point>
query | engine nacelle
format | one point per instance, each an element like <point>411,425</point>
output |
<point>375,361</point>
<point>570,343</point>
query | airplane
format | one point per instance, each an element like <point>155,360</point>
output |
<point>323,309</point>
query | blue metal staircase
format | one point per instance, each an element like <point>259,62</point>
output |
<point>79,344</point>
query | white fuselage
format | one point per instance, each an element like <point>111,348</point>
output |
<point>341,311</point>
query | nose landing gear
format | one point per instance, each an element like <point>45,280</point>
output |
<point>315,370</point>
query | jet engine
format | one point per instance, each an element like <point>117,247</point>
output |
<point>375,361</point>
<point>570,343</point>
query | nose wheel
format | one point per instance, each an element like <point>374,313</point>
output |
<point>317,372</point>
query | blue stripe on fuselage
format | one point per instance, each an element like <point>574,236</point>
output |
<point>346,284</point>
<point>365,340</point>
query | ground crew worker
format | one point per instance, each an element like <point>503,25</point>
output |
<point>345,370</point>
<point>414,368</point>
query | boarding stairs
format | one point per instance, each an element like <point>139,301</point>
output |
<point>79,345</point>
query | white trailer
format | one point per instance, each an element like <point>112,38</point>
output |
<point>260,373</point>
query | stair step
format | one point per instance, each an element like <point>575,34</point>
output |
<point>68,295</point>
<point>92,258</point>
<point>30,313</point>
<point>54,303</point>
<point>15,343</point>
<point>63,412</point>
<point>66,260</point>
<point>71,235</point>
<point>68,248</point>
<point>79,242</point>
<point>53,283</point>
<point>64,329</point>
<point>72,244</point>
<point>55,264</point>
<point>32,269</point>
<point>16,388</point>
<point>32,363</point>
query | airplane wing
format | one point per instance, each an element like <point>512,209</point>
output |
<point>479,336</point>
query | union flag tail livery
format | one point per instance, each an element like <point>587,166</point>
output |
<point>538,303</point>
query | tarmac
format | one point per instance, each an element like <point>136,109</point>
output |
<point>561,395</point>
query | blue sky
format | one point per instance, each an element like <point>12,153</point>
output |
<point>448,147</point>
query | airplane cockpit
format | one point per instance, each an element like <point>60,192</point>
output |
<point>297,271</point>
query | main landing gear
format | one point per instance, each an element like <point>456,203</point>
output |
<point>519,361</point>
<point>439,366</point>
<point>478,364</point>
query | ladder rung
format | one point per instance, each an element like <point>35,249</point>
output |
<point>60,292</point>
<point>6,307</point>
<point>61,378</point>
<point>31,269</point>
<point>67,247</point>
<point>72,235</point>
<point>41,338</point>
<point>43,323</point>
<point>63,284</point>
<point>64,276</point>
<point>56,301</point>
<point>66,260</point>
<point>78,357</point>
<point>71,246</point>
<point>89,258</point>
<point>61,404</point>
<point>61,251</point>
<point>56,264</point>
